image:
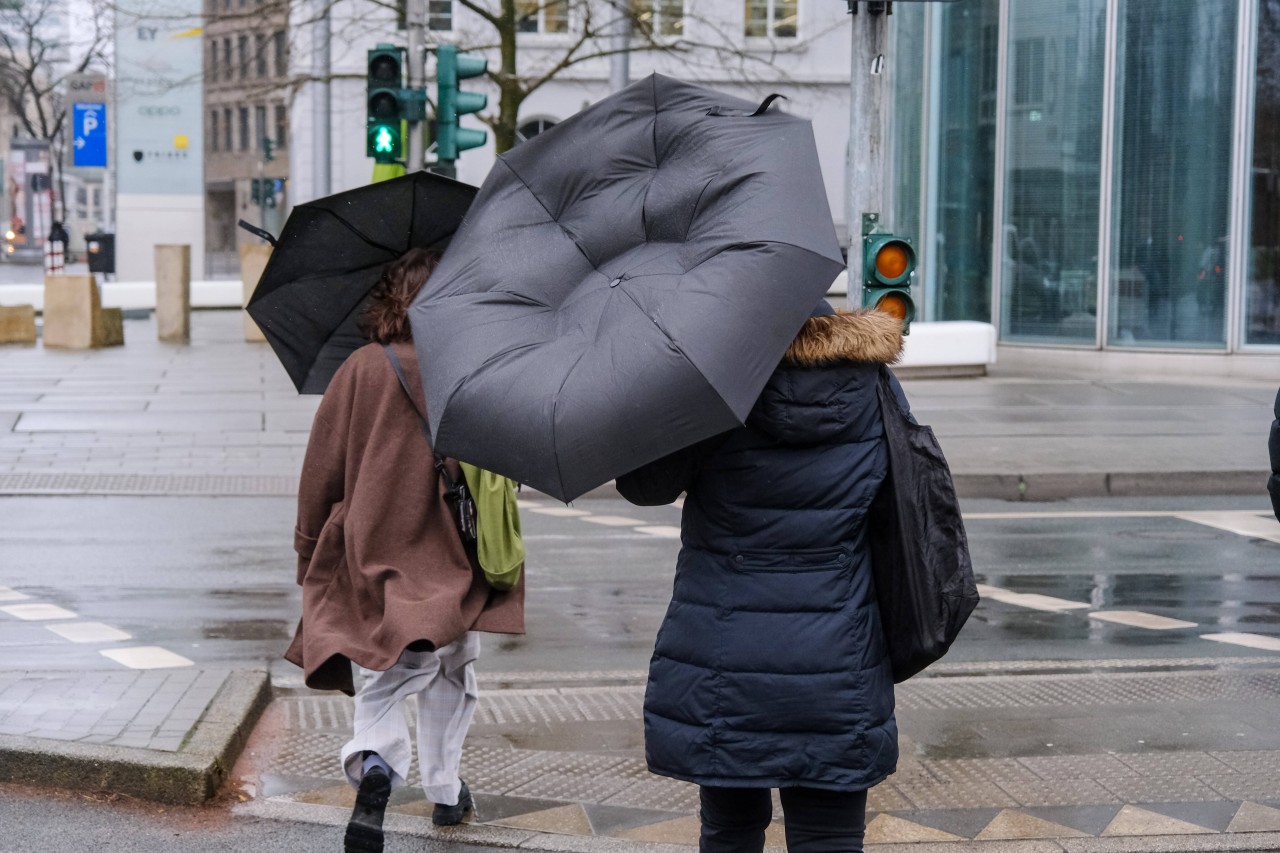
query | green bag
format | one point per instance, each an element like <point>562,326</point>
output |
<point>499,546</point>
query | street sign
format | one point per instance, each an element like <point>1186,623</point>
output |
<point>89,144</point>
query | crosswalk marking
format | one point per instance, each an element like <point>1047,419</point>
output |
<point>1031,600</point>
<point>1253,524</point>
<point>1252,641</point>
<point>560,511</point>
<point>146,657</point>
<point>612,520</point>
<point>7,594</point>
<point>88,632</point>
<point>37,612</point>
<point>664,531</point>
<point>1138,619</point>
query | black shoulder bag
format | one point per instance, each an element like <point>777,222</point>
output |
<point>455,491</point>
<point>919,552</point>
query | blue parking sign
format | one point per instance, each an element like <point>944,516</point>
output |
<point>89,143</point>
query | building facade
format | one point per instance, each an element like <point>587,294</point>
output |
<point>247,94</point>
<point>1088,174</point>
<point>1094,174</point>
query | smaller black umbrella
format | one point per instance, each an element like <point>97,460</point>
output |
<point>329,257</point>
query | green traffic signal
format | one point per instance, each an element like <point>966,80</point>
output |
<point>388,103</point>
<point>452,102</point>
<point>888,262</point>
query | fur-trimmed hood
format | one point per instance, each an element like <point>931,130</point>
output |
<point>860,335</point>
<point>825,388</point>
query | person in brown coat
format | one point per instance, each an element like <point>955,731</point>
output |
<point>387,583</point>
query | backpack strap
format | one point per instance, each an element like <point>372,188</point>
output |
<point>451,485</point>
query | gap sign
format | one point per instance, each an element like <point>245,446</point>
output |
<point>89,130</point>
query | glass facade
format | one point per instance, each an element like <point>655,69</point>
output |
<point>1172,186</point>
<point>1052,169</point>
<point>1100,213</point>
<point>1262,284</point>
<point>963,161</point>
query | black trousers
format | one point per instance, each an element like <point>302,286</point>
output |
<point>817,821</point>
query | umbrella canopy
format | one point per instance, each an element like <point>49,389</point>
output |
<point>624,286</point>
<point>329,257</point>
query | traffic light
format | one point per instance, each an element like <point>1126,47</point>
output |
<point>385,143</point>
<point>268,149</point>
<point>888,263</point>
<point>255,191</point>
<point>452,102</point>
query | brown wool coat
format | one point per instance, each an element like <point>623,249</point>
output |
<point>380,562</point>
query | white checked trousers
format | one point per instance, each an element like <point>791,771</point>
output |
<point>444,684</point>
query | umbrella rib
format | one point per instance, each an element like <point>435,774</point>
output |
<point>674,346</point>
<point>550,215</point>
<point>363,236</point>
<point>555,405</point>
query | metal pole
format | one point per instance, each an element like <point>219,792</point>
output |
<point>866,160</point>
<point>620,43</point>
<point>320,103</point>
<point>415,157</point>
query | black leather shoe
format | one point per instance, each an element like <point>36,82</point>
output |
<point>364,830</point>
<point>444,815</point>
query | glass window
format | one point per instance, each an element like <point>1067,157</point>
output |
<point>243,116</point>
<point>259,127</point>
<point>282,127</point>
<point>260,54</point>
<point>281,50</point>
<point>440,15</point>
<point>777,18</point>
<point>1262,286</point>
<point>659,17</point>
<point>960,260</point>
<point>213,130</point>
<point>1053,156</point>
<point>228,67</point>
<point>212,73</point>
<point>542,16</point>
<point>226,129</point>
<point>1172,189</point>
<point>242,52</point>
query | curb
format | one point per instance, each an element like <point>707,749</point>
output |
<point>187,777</point>
<point>1055,486</point>
<point>442,840</point>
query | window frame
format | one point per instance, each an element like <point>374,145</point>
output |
<point>770,21</point>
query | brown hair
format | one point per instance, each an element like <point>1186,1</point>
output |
<point>386,314</point>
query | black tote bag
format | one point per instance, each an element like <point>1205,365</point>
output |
<point>919,552</point>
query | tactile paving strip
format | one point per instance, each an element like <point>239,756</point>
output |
<point>146,484</point>
<point>1079,690</point>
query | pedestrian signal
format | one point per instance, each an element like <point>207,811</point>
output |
<point>888,262</point>
<point>389,104</point>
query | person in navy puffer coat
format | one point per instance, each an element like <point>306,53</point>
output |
<point>770,669</point>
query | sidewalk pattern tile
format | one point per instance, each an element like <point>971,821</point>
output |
<point>612,794</point>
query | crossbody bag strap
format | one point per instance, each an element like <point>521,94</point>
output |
<point>449,482</point>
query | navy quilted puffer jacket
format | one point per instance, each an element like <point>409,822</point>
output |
<point>770,668</point>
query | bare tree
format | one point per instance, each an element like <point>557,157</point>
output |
<point>37,56</point>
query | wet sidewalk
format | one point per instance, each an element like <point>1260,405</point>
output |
<point>220,417</point>
<point>1118,754</point>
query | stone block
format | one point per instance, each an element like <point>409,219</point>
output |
<point>17,324</point>
<point>173,293</point>
<point>253,260</point>
<point>109,330</point>
<point>72,305</point>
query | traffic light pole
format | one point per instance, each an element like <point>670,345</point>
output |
<point>866,199</point>
<point>415,155</point>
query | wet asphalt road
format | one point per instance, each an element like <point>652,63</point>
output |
<point>213,580</point>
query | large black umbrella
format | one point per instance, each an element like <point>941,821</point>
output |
<point>331,254</point>
<point>624,286</point>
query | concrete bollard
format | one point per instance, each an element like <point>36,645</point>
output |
<point>74,317</point>
<point>173,293</point>
<point>253,260</point>
<point>18,324</point>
